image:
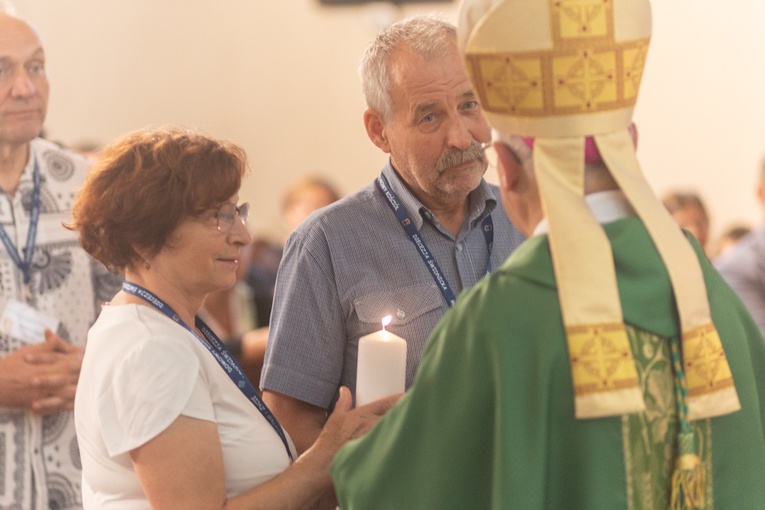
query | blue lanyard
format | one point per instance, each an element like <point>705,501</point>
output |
<point>219,352</point>
<point>487,226</point>
<point>26,265</point>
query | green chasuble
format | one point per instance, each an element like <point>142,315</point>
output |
<point>489,422</point>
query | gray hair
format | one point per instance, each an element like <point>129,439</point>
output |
<point>428,36</point>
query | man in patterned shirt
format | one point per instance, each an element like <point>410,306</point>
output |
<point>48,288</point>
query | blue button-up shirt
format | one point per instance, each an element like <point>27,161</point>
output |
<point>350,264</point>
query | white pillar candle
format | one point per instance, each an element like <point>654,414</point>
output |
<point>381,367</point>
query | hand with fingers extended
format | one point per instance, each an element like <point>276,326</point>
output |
<point>41,377</point>
<point>354,422</point>
<point>311,472</point>
<point>346,422</point>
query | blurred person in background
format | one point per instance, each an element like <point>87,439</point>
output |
<point>743,267</point>
<point>303,197</point>
<point>241,314</point>
<point>730,238</point>
<point>688,210</point>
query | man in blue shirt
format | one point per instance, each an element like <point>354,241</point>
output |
<point>354,262</point>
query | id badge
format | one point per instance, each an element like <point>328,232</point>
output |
<point>25,323</point>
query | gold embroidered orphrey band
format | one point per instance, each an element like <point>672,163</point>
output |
<point>561,81</point>
<point>601,358</point>
<point>706,366</point>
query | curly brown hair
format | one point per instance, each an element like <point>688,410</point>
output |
<point>148,182</point>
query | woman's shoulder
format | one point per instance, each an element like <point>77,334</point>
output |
<point>141,334</point>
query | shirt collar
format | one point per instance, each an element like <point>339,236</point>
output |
<point>482,200</point>
<point>606,206</point>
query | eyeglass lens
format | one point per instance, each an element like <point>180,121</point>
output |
<point>227,215</point>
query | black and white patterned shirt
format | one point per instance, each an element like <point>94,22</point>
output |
<point>39,459</point>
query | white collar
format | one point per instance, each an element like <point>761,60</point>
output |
<point>606,206</point>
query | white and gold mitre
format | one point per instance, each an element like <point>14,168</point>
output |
<point>561,71</point>
<point>559,67</point>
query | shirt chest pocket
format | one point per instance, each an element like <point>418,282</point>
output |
<point>404,305</point>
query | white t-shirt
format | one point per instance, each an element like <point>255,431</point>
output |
<point>141,371</point>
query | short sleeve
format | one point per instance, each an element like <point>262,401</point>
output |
<point>304,356</point>
<point>153,384</point>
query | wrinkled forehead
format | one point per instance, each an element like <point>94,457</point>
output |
<point>17,38</point>
<point>416,80</point>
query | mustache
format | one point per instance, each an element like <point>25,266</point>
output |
<point>457,156</point>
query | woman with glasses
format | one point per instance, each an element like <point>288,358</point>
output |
<point>165,418</point>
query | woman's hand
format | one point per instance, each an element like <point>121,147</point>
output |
<point>182,467</point>
<point>346,423</point>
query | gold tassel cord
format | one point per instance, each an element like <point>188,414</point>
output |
<point>689,479</point>
<point>688,483</point>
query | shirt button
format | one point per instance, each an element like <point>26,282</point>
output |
<point>400,313</point>
<point>459,246</point>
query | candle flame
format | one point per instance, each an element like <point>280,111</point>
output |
<point>386,320</point>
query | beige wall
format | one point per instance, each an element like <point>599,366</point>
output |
<point>279,78</point>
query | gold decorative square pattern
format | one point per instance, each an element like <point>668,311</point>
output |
<point>601,358</point>
<point>559,82</point>
<point>582,19</point>
<point>632,69</point>
<point>585,79</point>
<point>513,84</point>
<point>706,368</point>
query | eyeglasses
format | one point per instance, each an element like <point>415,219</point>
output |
<point>227,213</point>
